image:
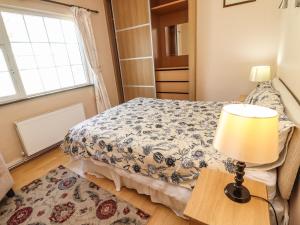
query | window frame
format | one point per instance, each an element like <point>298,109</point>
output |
<point>5,45</point>
<point>11,71</point>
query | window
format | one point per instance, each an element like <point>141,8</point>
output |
<point>6,84</point>
<point>43,55</point>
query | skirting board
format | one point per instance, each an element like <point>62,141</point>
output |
<point>20,161</point>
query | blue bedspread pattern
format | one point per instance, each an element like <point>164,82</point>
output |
<point>165,139</point>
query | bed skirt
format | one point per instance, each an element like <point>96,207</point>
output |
<point>170,195</point>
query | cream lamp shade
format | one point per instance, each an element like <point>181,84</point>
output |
<point>260,73</point>
<point>248,133</point>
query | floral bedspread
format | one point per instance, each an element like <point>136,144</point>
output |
<point>169,140</point>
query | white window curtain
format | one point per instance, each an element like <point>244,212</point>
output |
<point>82,19</point>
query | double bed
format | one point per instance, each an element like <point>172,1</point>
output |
<point>158,147</point>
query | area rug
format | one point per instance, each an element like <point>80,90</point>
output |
<point>64,197</point>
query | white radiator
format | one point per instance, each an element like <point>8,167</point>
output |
<point>41,132</point>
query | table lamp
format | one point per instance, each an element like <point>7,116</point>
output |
<point>246,133</point>
<point>260,73</point>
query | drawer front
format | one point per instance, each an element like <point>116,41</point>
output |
<point>173,96</point>
<point>177,87</point>
<point>172,75</point>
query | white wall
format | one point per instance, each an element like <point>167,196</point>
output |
<point>231,40</point>
<point>289,48</point>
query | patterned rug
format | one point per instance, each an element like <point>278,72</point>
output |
<point>63,197</point>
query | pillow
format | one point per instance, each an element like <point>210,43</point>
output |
<point>286,129</point>
<point>260,86</point>
<point>265,95</point>
<point>265,84</point>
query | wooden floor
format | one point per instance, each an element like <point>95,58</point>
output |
<point>160,215</point>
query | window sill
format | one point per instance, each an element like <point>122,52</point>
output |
<point>45,94</point>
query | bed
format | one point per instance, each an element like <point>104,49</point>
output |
<point>158,147</point>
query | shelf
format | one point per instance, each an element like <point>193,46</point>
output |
<point>172,92</point>
<point>171,68</point>
<point>169,7</point>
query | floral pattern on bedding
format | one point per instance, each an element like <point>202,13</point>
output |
<point>170,140</point>
<point>165,139</point>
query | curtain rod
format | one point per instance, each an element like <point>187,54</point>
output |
<point>69,5</point>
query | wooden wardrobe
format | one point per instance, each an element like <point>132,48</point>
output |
<point>155,42</point>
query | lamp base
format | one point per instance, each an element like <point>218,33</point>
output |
<point>237,194</point>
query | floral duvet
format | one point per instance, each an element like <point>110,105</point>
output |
<point>170,140</point>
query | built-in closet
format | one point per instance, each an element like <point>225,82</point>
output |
<point>156,47</point>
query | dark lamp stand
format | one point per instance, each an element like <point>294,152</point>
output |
<point>236,191</point>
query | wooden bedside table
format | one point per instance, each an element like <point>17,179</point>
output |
<point>209,205</point>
